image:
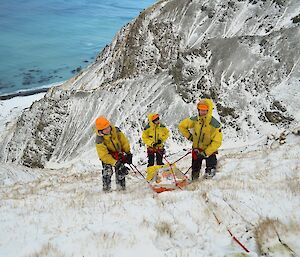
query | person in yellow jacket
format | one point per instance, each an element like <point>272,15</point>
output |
<point>205,133</point>
<point>154,136</point>
<point>113,149</point>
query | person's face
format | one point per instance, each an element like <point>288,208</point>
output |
<point>156,121</point>
<point>202,112</point>
<point>106,131</point>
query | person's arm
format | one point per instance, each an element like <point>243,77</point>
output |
<point>216,141</point>
<point>184,127</point>
<point>146,138</point>
<point>165,134</point>
<point>104,155</point>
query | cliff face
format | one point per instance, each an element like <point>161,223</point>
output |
<point>243,54</point>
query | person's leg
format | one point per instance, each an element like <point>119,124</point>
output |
<point>106,176</point>
<point>121,183</point>
<point>196,164</point>
<point>159,157</point>
<point>150,155</point>
<point>120,178</point>
<point>211,164</point>
<point>196,167</point>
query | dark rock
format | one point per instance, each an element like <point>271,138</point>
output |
<point>226,111</point>
<point>277,105</point>
<point>35,70</point>
<point>28,79</point>
<point>296,131</point>
<point>77,70</point>
<point>276,117</point>
<point>279,2</point>
<point>296,19</point>
<point>231,4</point>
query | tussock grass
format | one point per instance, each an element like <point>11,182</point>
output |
<point>47,250</point>
<point>107,240</point>
<point>293,183</point>
<point>270,237</point>
<point>164,229</point>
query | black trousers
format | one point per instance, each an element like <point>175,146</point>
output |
<point>158,155</point>
<point>211,163</point>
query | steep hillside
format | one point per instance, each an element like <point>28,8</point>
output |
<point>65,212</point>
<point>243,54</point>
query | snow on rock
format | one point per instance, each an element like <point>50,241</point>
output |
<point>242,54</point>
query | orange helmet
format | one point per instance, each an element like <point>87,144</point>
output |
<point>202,105</point>
<point>155,116</point>
<point>102,123</point>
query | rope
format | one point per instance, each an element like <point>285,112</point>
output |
<point>228,230</point>
<point>181,157</point>
<point>187,170</point>
<point>189,151</point>
<point>133,166</point>
<point>176,183</point>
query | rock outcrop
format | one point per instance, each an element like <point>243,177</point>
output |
<point>243,54</point>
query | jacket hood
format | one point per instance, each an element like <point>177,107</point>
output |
<point>210,104</point>
<point>150,116</point>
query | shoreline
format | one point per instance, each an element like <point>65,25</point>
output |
<point>31,91</point>
<point>24,93</point>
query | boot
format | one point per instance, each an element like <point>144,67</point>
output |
<point>195,174</point>
<point>121,185</point>
<point>210,172</point>
<point>106,188</point>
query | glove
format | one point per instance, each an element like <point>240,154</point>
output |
<point>128,158</point>
<point>124,171</point>
<point>119,165</point>
<point>157,143</point>
<point>121,169</point>
<point>200,154</point>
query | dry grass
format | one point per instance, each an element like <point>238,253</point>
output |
<point>47,250</point>
<point>164,229</point>
<point>293,182</point>
<point>269,236</point>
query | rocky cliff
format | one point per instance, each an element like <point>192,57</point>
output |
<point>243,54</point>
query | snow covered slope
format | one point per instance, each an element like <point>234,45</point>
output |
<point>65,212</point>
<point>243,54</point>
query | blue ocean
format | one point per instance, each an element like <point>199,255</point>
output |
<point>48,41</point>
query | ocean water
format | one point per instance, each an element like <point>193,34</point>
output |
<point>47,41</point>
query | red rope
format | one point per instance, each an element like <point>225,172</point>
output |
<point>182,157</point>
<point>232,236</point>
<point>176,183</point>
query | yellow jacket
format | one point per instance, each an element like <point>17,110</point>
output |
<point>115,142</point>
<point>204,131</point>
<point>154,132</point>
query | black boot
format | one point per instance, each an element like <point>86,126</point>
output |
<point>106,184</point>
<point>121,185</point>
<point>210,172</point>
<point>195,174</point>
